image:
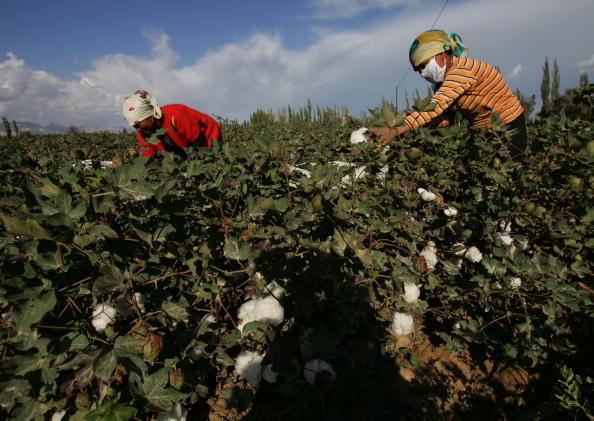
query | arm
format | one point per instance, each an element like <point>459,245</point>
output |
<point>456,83</point>
<point>386,134</point>
<point>148,149</point>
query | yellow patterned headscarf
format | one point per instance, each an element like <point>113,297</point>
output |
<point>433,42</point>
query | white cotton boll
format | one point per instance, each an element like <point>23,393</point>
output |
<point>515,282</point>
<point>209,318</point>
<point>381,175</point>
<point>523,244</point>
<point>58,415</point>
<point>342,164</point>
<point>103,316</point>
<point>457,325</point>
<point>275,290</point>
<point>430,255</point>
<point>450,211</point>
<point>461,249</point>
<point>473,254</point>
<point>140,301</point>
<point>426,195</point>
<point>412,293</point>
<point>359,173</point>
<point>176,413</point>
<point>301,171</point>
<point>321,295</point>
<point>402,324</point>
<point>196,353</point>
<point>269,375</point>
<point>313,367</point>
<point>257,309</point>
<point>359,135</point>
<point>248,365</point>
<point>504,237</point>
<point>496,286</point>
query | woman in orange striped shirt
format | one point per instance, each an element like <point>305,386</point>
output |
<point>472,87</point>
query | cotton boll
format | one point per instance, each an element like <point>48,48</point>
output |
<point>313,367</point>
<point>269,375</point>
<point>430,255</point>
<point>257,309</point>
<point>402,324</point>
<point>209,318</point>
<point>248,365</point>
<point>523,244</point>
<point>461,249</point>
<point>321,295</point>
<point>515,282</point>
<point>504,237</point>
<point>275,290</point>
<point>140,301</point>
<point>176,413</point>
<point>381,175</point>
<point>359,173</point>
<point>473,254</point>
<point>359,135</point>
<point>426,195</point>
<point>496,286</point>
<point>58,415</point>
<point>450,211</point>
<point>196,353</point>
<point>103,316</point>
<point>301,171</point>
<point>411,293</point>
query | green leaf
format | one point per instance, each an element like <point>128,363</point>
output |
<point>110,280</point>
<point>175,311</point>
<point>154,389</point>
<point>27,227</point>
<point>111,411</point>
<point>236,249</point>
<point>105,365</point>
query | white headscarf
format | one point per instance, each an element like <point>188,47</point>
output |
<point>140,106</point>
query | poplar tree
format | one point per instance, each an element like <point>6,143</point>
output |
<point>584,82</point>
<point>15,127</point>
<point>6,127</point>
<point>545,85</point>
<point>556,79</point>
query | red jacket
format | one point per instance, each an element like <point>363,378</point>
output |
<point>184,126</point>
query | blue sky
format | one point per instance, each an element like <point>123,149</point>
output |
<point>72,62</point>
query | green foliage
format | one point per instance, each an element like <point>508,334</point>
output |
<point>556,82</point>
<point>197,236</point>
<point>584,80</point>
<point>15,127</point>
<point>571,396</point>
<point>527,102</point>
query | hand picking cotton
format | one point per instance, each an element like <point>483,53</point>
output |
<point>359,135</point>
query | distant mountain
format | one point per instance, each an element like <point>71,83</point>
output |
<point>54,128</point>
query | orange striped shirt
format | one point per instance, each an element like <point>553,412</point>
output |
<point>474,88</point>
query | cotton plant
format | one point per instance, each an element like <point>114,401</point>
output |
<point>412,293</point>
<point>313,368</point>
<point>104,315</point>
<point>248,365</point>
<point>402,324</point>
<point>176,413</point>
<point>430,255</point>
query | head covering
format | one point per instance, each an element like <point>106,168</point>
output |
<point>430,43</point>
<point>140,106</point>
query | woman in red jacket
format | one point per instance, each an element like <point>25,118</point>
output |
<point>183,125</point>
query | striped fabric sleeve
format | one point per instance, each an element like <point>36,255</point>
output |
<point>455,84</point>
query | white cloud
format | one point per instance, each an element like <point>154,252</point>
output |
<point>333,9</point>
<point>516,71</point>
<point>354,67</point>
<point>585,64</point>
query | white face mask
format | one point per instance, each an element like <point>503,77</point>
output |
<point>432,72</point>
